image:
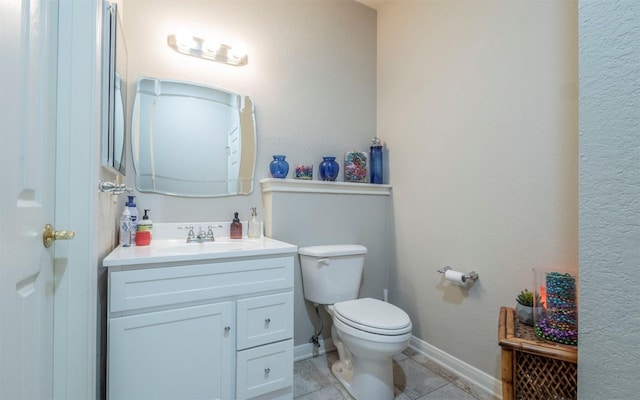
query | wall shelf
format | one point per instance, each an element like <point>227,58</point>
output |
<point>310,186</point>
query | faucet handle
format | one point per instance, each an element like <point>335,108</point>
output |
<point>210,231</point>
<point>190,235</point>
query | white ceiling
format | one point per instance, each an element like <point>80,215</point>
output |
<point>371,3</point>
<point>376,3</point>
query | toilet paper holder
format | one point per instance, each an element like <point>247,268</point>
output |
<point>473,275</point>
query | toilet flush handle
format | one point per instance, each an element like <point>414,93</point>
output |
<point>325,261</point>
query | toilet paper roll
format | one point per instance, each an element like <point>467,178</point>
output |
<point>455,277</point>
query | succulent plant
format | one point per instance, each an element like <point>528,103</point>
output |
<point>526,298</point>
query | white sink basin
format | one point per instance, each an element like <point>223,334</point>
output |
<point>172,250</point>
<point>174,246</point>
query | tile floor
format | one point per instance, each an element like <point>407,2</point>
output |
<point>415,378</point>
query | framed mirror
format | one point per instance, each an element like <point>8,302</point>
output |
<point>192,140</point>
<point>114,86</point>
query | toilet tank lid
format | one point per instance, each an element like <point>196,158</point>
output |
<point>333,250</point>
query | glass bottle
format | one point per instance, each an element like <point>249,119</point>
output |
<point>375,161</point>
<point>125,228</point>
<point>355,166</point>
<point>236,227</point>
<point>254,225</point>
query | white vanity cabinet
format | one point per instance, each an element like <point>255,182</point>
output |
<point>170,353</point>
<point>218,328</point>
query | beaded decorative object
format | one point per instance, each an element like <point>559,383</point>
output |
<point>304,172</point>
<point>355,167</point>
<point>559,323</point>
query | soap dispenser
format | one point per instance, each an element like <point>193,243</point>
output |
<point>125,228</point>
<point>236,228</point>
<point>254,225</point>
<point>145,226</point>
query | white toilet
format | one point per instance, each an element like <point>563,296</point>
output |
<point>367,332</point>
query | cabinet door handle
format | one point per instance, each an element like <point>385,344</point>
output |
<point>227,329</point>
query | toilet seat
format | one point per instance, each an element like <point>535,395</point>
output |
<point>373,316</point>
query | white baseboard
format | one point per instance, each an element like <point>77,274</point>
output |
<point>476,380</point>
<point>471,376</point>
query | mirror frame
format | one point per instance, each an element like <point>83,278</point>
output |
<point>111,85</point>
<point>245,114</point>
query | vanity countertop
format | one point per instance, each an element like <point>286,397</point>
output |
<point>177,250</point>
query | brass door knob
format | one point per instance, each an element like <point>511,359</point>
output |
<point>49,235</point>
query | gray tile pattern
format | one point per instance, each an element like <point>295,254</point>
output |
<point>414,378</point>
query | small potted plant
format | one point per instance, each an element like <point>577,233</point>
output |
<point>524,306</point>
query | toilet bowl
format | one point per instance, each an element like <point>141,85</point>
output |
<point>366,332</point>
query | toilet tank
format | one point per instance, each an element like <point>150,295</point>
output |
<point>332,273</point>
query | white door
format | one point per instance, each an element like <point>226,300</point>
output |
<point>28,60</point>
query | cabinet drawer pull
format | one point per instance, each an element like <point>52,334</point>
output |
<point>266,372</point>
<point>267,322</point>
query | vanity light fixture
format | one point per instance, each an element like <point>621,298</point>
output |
<point>198,47</point>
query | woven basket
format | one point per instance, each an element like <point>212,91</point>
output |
<point>532,368</point>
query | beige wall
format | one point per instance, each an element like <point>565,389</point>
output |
<point>311,75</point>
<point>309,219</point>
<point>477,103</point>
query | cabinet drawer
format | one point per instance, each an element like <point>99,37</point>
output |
<point>264,319</point>
<point>264,369</point>
<point>162,286</point>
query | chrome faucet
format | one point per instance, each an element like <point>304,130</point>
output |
<point>190,235</point>
<point>210,232</point>
<point>202,236</point>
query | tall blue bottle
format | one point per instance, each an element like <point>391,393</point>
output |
<point>375,161</point>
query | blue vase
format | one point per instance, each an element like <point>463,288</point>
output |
<point>329,169</point>
<point>279,167</point>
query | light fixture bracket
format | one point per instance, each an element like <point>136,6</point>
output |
<point>200,48</point>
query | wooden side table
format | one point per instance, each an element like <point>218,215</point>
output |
<point>533,368</point>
